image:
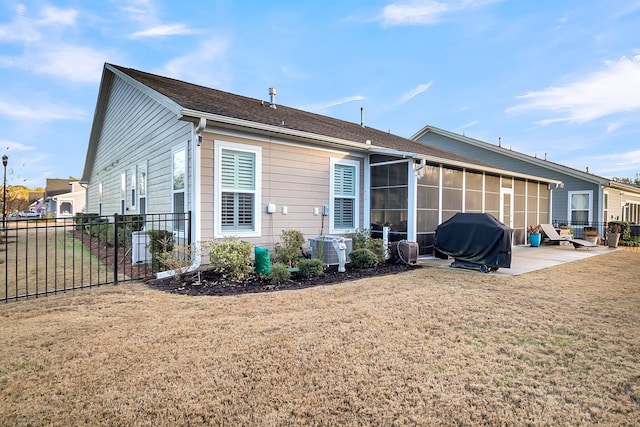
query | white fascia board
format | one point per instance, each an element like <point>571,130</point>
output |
<point>273,129</point>
<point>520,156</point>
<point>156,96</point>
<point>624,187</point>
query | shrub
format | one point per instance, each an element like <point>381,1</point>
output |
<point>175,259</point>
<point>309,268</point>
<point>362,239</point>
<point>279,273</point>
<point>231,259</point>
<point>288,252</point>
<point>161,241</point>
<point>83,220</point>
<point>94,228</point>
<point>621,227</point>
<point>363,258</point>
<point>103,231</point>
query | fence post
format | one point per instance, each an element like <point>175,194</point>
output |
<point>189,228</point>
<point>115,249</point>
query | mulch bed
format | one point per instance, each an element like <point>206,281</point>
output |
<point>208,283</point>
<point>106,255</point>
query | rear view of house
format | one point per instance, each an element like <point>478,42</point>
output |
<point>250,168</point>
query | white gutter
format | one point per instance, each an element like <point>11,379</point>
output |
<point>274,129</point>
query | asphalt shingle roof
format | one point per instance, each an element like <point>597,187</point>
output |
<point>213,101</point>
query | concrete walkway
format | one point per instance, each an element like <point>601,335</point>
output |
<point>525,259</point>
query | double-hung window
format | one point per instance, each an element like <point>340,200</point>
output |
<point>580,207</point>
<point>100,199</point>
<point>123,193</point>
<point>179,186</point>
<point>134,187</point>
<point>237,189</point>
<point>344,195</point>
<point>142,187</point>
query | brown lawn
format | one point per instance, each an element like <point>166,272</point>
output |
<point>433,346</point>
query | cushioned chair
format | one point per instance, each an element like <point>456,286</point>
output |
<point>554,237</point>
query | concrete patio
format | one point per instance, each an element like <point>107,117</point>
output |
<point>525,258</point>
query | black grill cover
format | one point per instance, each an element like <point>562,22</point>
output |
<point>477,238</point>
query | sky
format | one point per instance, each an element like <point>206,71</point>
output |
<point>550,78</point>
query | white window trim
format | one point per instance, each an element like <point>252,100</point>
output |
<point>100,199</point>
<point>123,193</point>
<point>59,203</point>
<point>133,189</point>
<point>139,183</point>
<point>217,193</point>
<point>570,194</point>
<point>356,205</point>
<point>181,147</point>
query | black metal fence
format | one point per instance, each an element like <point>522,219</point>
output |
<point>579,228</point>
<point>42,257</point>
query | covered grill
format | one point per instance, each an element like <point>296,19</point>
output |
<point>475,240</point>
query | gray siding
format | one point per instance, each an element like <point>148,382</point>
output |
<point>135,128</point>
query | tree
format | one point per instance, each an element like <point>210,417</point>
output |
<point>17,198</point>
<point>634,181</point>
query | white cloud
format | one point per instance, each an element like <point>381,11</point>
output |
<point>325,106</point>
<point>426,12</point>
<point>613,127</point>
<point>406,97</point>
<point>10,146</point>
<point>164,31</point>
<point>616,89</point>
<point>209,59</point>
<point>65,61</point>
<point>618,164</point>
<point>468,125</point>
<point>52,15</point>
<point>137,10</point>
<point>40,110</point>
<point>43,53</point>
<point>417,13</point>
<point>26,29</point>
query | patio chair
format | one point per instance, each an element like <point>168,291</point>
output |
<point>554,237</point>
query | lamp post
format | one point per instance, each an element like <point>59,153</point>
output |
<point>5,160</point>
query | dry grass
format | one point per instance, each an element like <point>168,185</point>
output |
<point>431,347</point>
<point>36,260</point>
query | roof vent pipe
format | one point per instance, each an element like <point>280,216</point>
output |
<point>362,116</point>
<point>272,94</point>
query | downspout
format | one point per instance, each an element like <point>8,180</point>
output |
<point>550,213</point>
<point>196,208</point>
<point>559,184</point>
<point>196,229</point>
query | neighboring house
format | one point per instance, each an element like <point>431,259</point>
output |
<point>35,199</point>
<point>582,199</point>
<point>249,168</point>
<point>63,198</point>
